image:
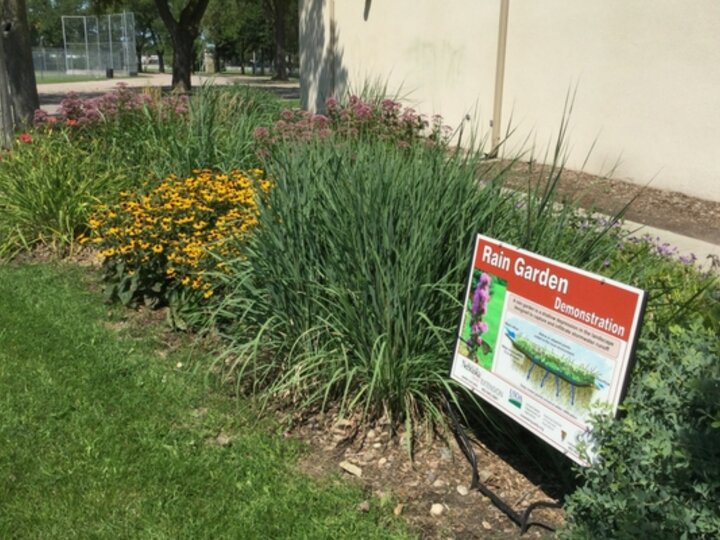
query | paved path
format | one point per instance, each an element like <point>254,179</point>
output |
<point>52,94</point>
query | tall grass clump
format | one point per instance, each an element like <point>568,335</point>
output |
<point>218,131</point>
<point>348,291</point>
<point>47,187</point>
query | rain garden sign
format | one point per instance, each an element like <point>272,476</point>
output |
<point>546,343</point>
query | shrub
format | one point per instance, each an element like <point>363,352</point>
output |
<point>115,106</point>
<point>385,119</point>
<point>657,474</point>
<point>47,187</point>
<point>162,247</point>
<point>676,286</point>
<point>349,289</point>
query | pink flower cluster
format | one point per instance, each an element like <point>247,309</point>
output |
<point>357,118</point>
<point>76,111</point>
<point>478,309</point>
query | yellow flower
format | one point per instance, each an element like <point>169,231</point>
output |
<point>157,248</point>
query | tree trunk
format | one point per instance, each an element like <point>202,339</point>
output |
<point>6,118</point>
<point>161,60</point>
<point>279,16</point>
<point>18,62</point>
<point>139,61</point>
<point>183,32</point>
<point>183,59</point>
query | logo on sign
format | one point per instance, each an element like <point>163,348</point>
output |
<point>515,398</point>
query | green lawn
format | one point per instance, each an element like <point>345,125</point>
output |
<point>104,435</point>
<point>57,77</point>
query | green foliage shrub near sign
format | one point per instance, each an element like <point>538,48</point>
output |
<point>349,291</point>
<point>658,475</point>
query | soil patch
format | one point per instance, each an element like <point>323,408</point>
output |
<point>668,210</point>
<point>432,490</point>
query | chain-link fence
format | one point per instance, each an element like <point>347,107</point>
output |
<point>48,62</point>
<point>95,45</point>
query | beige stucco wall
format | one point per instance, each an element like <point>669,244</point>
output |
<point>646,74</point>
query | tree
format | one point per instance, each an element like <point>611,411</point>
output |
<point>45,19</point>
<point>17,75</point>
<point>149,31</point>
<point>235,28</point>
<point>183,32</point>
<point>278,12</point>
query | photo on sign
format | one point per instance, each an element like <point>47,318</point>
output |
<point>564,373</point>
<point>480,327</point>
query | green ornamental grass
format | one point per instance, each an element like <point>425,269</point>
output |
<point>349,289</point>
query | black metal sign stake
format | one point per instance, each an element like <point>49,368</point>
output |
<point>521,520</point>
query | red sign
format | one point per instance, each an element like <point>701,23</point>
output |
<point>546,343</point>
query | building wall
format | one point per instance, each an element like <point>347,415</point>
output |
<point>645,75</point>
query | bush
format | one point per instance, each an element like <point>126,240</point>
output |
<point>348,291</point>
<point>378,119</point>
<point>47,187</point>
<point>162,247</point>
<point>657,474</point>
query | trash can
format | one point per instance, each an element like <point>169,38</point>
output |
<point>109,73</point>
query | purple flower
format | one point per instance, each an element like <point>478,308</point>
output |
<point>688,259</point>
<point>480,300</point>
<point>479,327</point>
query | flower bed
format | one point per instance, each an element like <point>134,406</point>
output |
<point>169,240</point>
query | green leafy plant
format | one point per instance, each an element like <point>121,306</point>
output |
<point>657,473</point>
<point>48,185</point>
<point>348,293</point>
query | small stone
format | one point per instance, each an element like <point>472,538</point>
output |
<point>351,469</point>
<point>377,445</point>
<point>485,475</point>
<point>437,509</point>
<point>223,440</point>
<point>446,454</point>
<point>486,525</point>
<point>431,477</point>
<point>364,506</point>
<point>462,490</point>
<point>398,509</point>
<point>438,483</point>
<point>382,461</point>
<point>179,365</point>
<point>371,434</point>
